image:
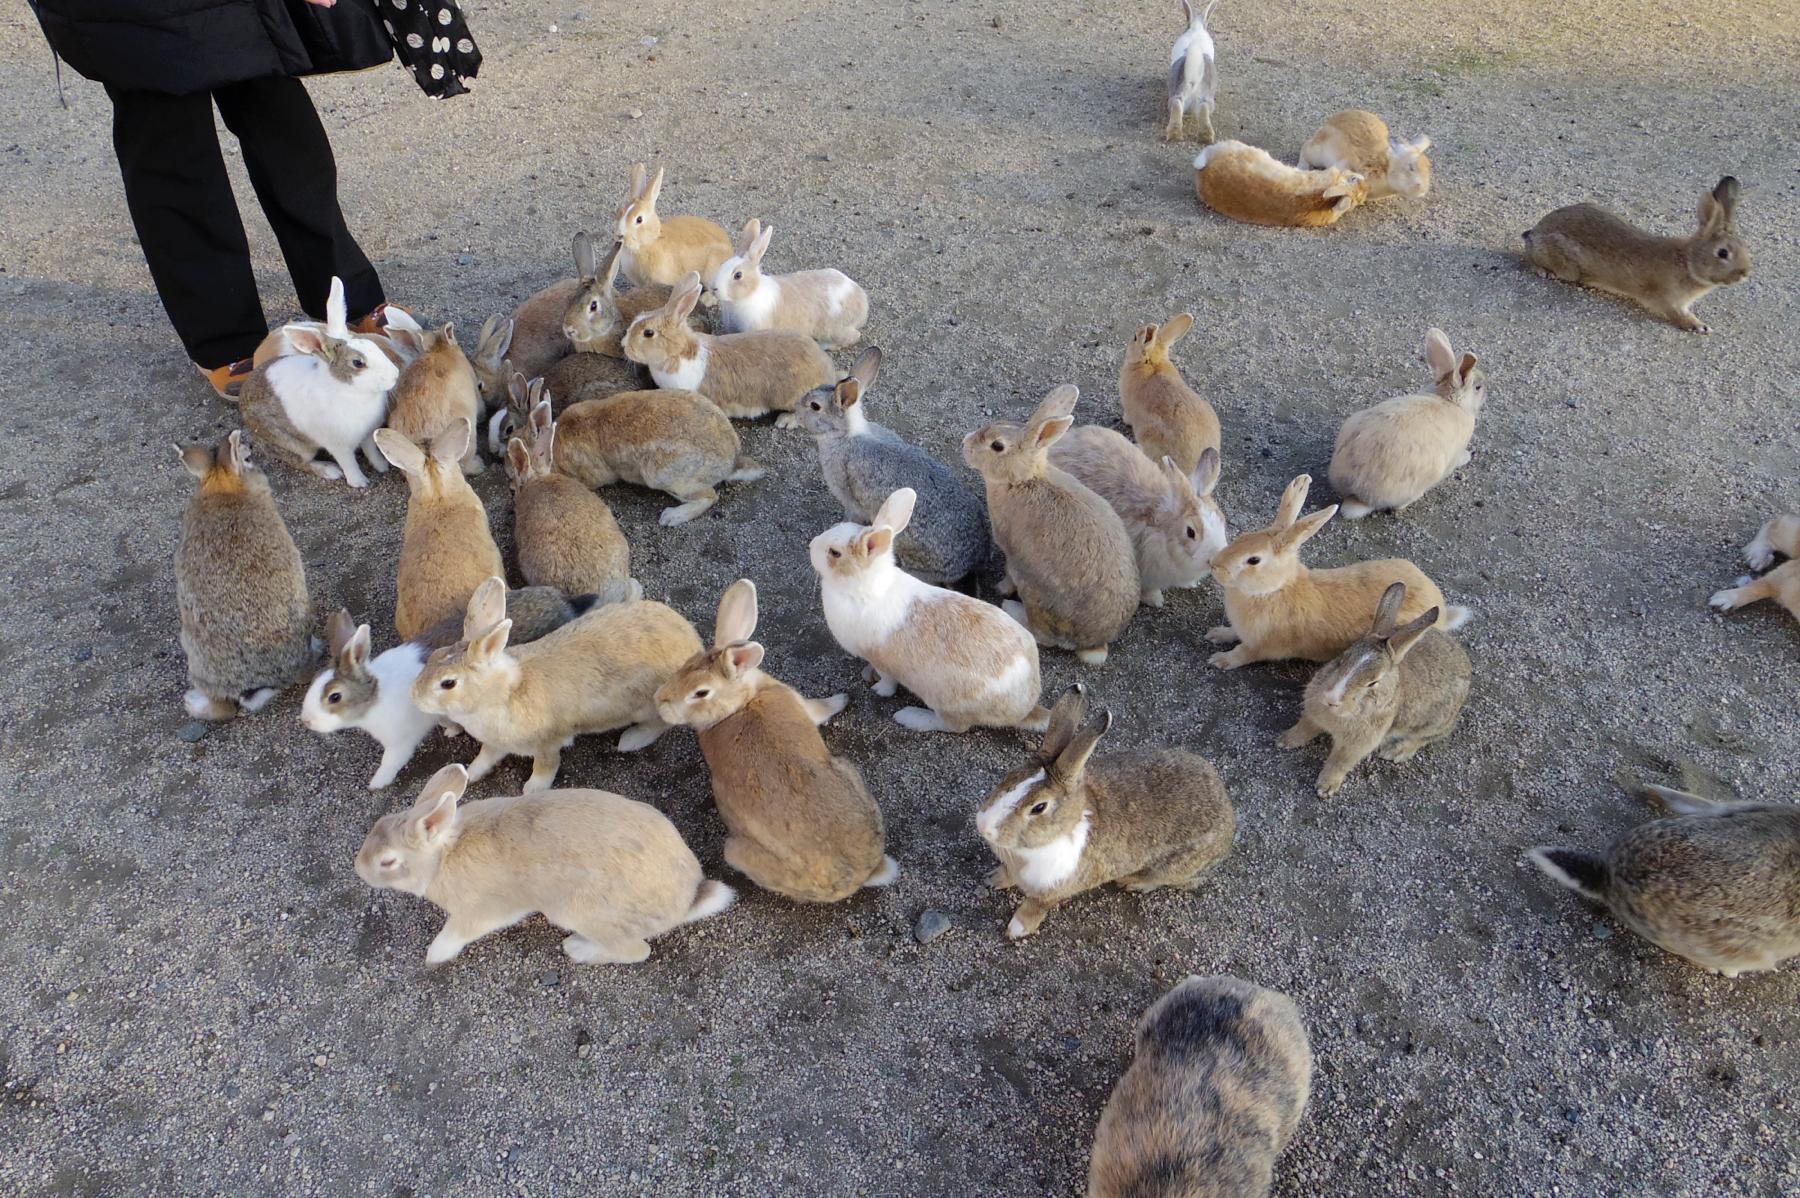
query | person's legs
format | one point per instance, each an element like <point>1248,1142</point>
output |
<point>291,166</point>
<point>187,222</point>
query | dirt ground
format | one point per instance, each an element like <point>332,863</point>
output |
<point>199,995</point>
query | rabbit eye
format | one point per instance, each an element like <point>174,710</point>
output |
<point>334,697</point>
<point>593,305</point>
<point>448,684</point>
<point>389,862</point>
<point>815,406</point>
<point>997,446</point>
<point>1190,532</point>
<point>357,363</point>
<point>1253,561</point>
<point>738,275</point>
<point>701,693</point>
<point>649,333</point>
<point>835,553</point>
<point>640,220</point>
<point>1039,808</point>
<point>1724,251</point>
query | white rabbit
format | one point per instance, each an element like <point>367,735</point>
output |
<point>826,305</point>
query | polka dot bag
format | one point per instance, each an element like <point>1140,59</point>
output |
<point>433,42</point>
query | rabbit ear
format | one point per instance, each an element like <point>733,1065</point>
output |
<point>496,339</point>
<point>1059,402</point>
<point>400,450</point>
<point>867,366</point>
<point>1146,335</point>
<point>340,626</point>
<point>1465,369</point>
<point>1174,329</point>
<point>747,238</point>
<point>1074,757</point>
<point>1387,611</point>
<point>336,314</point>
<point>1438,354</point>
<point>354,659</point>
<point>848,393</point>
<point>542,419</point>
<point>1206,472</point>
<point>307,341</point>
<point>1050,431</point>
<point>587,261</point>
<point>486,608</point>
<point>535,393</point>
<point>198,459</point>
<point>875,542</point>
<point>654,189</point>
<point>518,458</point>
<point>736,620</point>
<point>1187,12</point>
<point>515,389</point>
<point>1419,145</point>
<point>490,644</point>
<point>687,294</point>
<point>1292,500</point>
<point>897,509</point>
<point>1726,193</point>
<point>741,659</point>
<point>1301,531</point>
<point>1403,639</point>
<point>639,173</point>
<point>452,445</point>
<point>760,246</point>
<point>610,271</point>
<point>448,332</point>
<point>433,813</point>
<point>407,341</point>
<point>234,455</point>
<point>1065,718</point>
<point>1176,478</point>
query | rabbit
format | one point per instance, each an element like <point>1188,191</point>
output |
<point>1061,825</point>
<point>968,661</point>
<point>1393,692</point>
<point>826,305</point>
<point>375,695</point>
<point>800,821</point>
<point>746,374</point>
<point>1666,276</point>
<point>1175,531</point>
<point>656,249</point>
<point>436,388</point>
<point>863,463</point>
<point>1781,534</point>
<point>565,535</point>
<point>332,395</point>
<point>240,587</point>
<point>391,319</point>
<point>448,548</point>
<point>492,366</point>
<point>1068,555</point>
<point>1715,883</point>
<point>1389,455</point>
<point>596,673</point>
<point>597,316</point>
<point>1221,1077</point>
<point>1248,184</point>
<point>1193,76</point>
<point>1358,141</point>
<point>1168,417</point>
<point>1278,608</point>
<point>610,871</point>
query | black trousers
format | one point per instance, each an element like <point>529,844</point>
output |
<point>187,220</point>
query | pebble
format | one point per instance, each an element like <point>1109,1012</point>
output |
<point>635,114</point>
<point>931,925</point>
<point>549,977</point>
<point>193,732</point>
<point>83,654</point>
<point>1602,931</point>
<point>646,41</point>
<point>465,259</point>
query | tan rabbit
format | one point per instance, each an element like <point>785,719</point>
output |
<point>436,389</point>
<point>746,374</point>
<point>1168,417</point>
<point>240,587</point>
<point>801,822</point>
<point>448,548</point>
<point>491,364</point>
<point>540,336</point>
<point>1062,825</point>
<point>612,872</point>
<point>597,316</point>
<point>1395,691</point>
<point>1068,555</point>
<point>565,535</point>
<point>1782,584</point>
<point>1221,1078</point>
<point>1588,245</point>
<point>596,673</point>
<point>1278,608</point>
<point>1357,140</point>
<point>826,305</point>
<point>1716,883</point>
<point>1248,184</point>
<point>657,249</point>
<point>1389,455</point>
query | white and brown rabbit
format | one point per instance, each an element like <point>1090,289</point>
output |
<point>863,463</point>
<point>1587,245</point>
<point>1221,1078</point>
<point>565,535</point>
<point>448,548</point>
<point>1175,530</point>
<point>1357,140</point>
<point>597,673</point>
<point>1068,555</point>
<point>826,305</point>
<point>746,374</point>
<point>1168,417</point>
<point>437,388</point>
<point>1062,825</point>
<point>1249,184</point>
<point>661,249</point>
<point>1716,883</point>
<point>1278,608</point>
<point>240,587</point>
<point>1782,584</point>
<point>597,315</point>
<point>1193,76</point>
<point>1389,455</point>
<point>1393,692</point>
<point>610,871</point>
<point>969,662</point>
<point>801,822</point>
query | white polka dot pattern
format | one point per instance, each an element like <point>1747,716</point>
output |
<point>433,43</point>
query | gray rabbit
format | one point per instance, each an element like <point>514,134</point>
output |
<point>864,463</point>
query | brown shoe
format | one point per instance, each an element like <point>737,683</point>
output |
<point>228,381</point>
<point>376,321</point>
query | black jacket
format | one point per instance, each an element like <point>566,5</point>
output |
<point>183,46</point>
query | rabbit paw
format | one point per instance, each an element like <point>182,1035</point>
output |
<point>1000,878</point>
<point>1725,600</point>
<point>1298,737</point>
<point>787,420</point>
<point>1228,661</point>
<point>1759,556</point>
<point>1329,785</point>
<point>1222,635</point>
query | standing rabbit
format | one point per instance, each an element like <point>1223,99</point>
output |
<point>1068,555</point>
<point>826,305</point>
<point>1716,883</point>
<point>612,872</point>
<point>1168,417</point>
<point>1175,530</point>
<point>436,389</point>
<point>597,316</point>
<point>1389,455</point>
<point>1782,584</point>
<point>565,535</point>
<point>746,374</point>
<point>240,587</point>
<point>1193,76</point>
<point>1395,691</point>
<point>1221,1077</point>
<point>447,549</point>
<point>1357,140</point>
<point>800,821</point>
<point>1062,825</point>
<point>1248,184</point>
<point>863,463</point>
<point>1278,608</point>
<point>657,249</point>
<point>968,661</point>
<point>1666,276</point>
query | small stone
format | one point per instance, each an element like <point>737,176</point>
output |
<point>549,977</point>
<point>553,29</point>
<point>319,1062</point>
<point>584,1043</point>
<point>646,41</point>
<point>83,654</point>
<point>931,925</point>
<point>193,732</point>
<point>465,259</point>
<point>636,114</point>
<point>1602,931</point>
<point>268,1114</point>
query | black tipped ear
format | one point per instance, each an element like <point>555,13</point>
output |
<point>1073,759</point>
<point>1065,718</point>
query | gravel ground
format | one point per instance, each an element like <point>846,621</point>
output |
<point>200,997</point>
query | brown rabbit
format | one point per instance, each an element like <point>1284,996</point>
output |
<point>448,548</point>
<point>1167,417</point>
<point>565,534</point>
<point>657,249</point>
<point>436,388</point>
<point>801,821</point>
<point>492,365</point>
<point>597,316</point>
<point>1247,184</point>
